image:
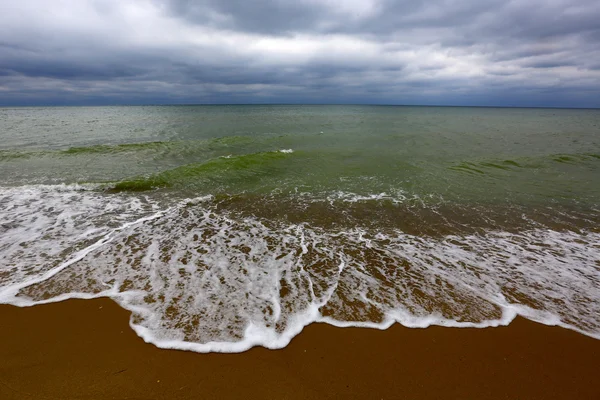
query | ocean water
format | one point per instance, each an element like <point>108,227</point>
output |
<point>227,227</point>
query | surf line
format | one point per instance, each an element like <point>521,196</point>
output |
<point>8,295</point>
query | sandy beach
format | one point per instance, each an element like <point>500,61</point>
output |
<point>86,350</point>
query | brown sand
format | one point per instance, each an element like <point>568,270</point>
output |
<point>86,350</point>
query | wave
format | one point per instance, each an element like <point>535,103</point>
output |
<point>483,167</point>
<point>9,155</point>
<point>118,148</point>
<point>95,149</point>
<point>576,158</point>
<point>226,168</point>
<point>203,277</point>
<point>165,147</point>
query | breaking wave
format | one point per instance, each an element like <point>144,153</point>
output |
<point>208,274</point>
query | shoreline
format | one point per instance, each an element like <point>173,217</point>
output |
<point>85,349</point>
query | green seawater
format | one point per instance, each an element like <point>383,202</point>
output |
<point>481,155</point>
<point>226,227</point>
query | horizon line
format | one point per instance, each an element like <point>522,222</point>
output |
<point>292,104</point>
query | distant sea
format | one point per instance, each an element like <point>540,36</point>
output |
<point>227,227</point>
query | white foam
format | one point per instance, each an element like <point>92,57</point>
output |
<point>288,151</point>
<point>11,291</point>
<point>350,197</point>
<point>205,280</point>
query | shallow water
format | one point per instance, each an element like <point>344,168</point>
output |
<point>225,227</point>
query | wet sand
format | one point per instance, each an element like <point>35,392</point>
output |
<point>86,350</point>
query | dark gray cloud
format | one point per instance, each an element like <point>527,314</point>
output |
<point>519,52</point>
<point>353,17</point>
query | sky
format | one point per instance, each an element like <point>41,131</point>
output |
<point>436,52</point>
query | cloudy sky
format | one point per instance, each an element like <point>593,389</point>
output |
<point>447,52</point>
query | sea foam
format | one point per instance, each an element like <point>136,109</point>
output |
<point>199,278</point>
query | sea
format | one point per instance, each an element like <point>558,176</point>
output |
<point>226,227</point>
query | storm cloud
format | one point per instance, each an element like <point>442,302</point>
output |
<point>447,52</point>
